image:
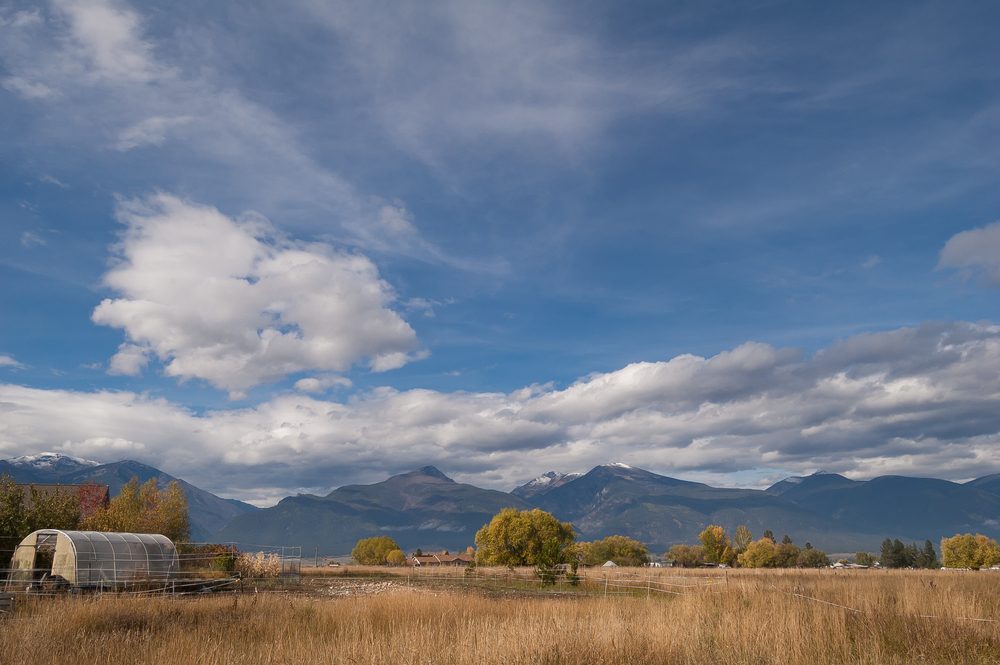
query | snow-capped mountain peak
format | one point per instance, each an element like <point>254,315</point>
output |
<point>50,460</point>
<point>544,479</point>
<point>543,483</point>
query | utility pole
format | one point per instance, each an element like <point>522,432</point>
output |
<point>316,557</point>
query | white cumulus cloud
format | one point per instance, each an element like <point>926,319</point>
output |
<point>318,384</point>
<point>913,401</point>
<point>233,302</point>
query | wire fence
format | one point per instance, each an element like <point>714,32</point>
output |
<point>586,583</point>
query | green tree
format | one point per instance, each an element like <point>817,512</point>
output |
<point>374,551</point>
<point>893,553</point>
<point>927,557</point>
<point>865,559</point>
<point>12,512</point>
<point>42,509</point>
<point>788,555</point>
<point>622,550</point>
<point>810,557</point>
<point>716,542</point>
<point>897,555</point>
<point>51,510</point>
<point>769,535</point>
<point>686,556</point>
<point>761,553</point>
<point>523,538</point>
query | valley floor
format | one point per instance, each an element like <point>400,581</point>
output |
<point>692,617</point>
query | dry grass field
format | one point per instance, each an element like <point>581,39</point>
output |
<point>760,617</point>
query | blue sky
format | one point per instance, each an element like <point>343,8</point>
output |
<point>467,210</point>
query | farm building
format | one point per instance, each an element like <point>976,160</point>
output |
<point>441,559</point>
<point>92,558</point>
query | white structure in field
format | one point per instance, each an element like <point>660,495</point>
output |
<point>94,558</point>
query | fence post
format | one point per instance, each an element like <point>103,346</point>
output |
<point>605,585</point>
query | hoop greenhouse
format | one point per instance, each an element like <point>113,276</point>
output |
<point>93,558</point>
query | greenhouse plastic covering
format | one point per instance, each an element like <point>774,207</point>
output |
<point>90,558</point>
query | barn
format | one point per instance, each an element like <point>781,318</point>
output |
<point>93,558</point>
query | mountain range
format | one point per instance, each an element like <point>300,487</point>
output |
<point>425,508</point>
<point>208,512</point>
<point>422,508</point>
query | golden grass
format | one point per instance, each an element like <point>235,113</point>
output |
<point>746,617</point>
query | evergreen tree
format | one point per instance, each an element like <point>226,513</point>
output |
<point>927,558</point>
<point>898,553</point>
<point>769,535</point>
<point>886,557</point>
<point>786,540</point>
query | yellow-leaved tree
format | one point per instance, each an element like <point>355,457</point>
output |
<point>395,558</point>
<point>969,551</point>
<point>622,550</point>
<point>523,538</point>
<point>716,544</point>
<point>375,551</point>
<point>145,509</point>
<point>761,553</point>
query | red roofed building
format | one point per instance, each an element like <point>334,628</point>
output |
<point>441,559</point>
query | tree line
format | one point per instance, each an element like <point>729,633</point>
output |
<point>963,550</point>
<point>894,554</point>
<point>515,538</point>
<point>145,508</point>
<point>717,548</point>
